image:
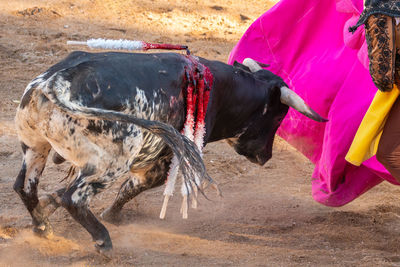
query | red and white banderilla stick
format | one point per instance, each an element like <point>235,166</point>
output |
<point>123,44</point>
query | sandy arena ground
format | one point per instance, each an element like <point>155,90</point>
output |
<point>267,216</point>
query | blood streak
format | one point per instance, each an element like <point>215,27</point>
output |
<point>201,78</point>
<point>199,83</point>
<point>188,130</point>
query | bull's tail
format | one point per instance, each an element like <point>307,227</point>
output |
<point>190,160</point>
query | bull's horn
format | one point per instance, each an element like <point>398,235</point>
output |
<point>293,100</point>
<point>251,64</point>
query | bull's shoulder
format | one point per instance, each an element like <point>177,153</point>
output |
<point>227,76</point>
<point>224,71</point>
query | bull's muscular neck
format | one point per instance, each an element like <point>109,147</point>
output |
<point>236,98</point>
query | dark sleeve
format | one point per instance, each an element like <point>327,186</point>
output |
<point>380,34</point>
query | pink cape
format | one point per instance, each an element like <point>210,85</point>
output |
<point>307,43</point>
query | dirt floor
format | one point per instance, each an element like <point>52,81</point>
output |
<point>267,216</point>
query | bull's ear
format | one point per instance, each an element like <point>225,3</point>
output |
<point>241,66</point>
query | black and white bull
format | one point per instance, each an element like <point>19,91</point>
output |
<point>114,115</point>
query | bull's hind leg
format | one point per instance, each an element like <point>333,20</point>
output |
<point>49,203</point>
<point>133,186</point>
<point>26,184</point>
<point>76,201</point>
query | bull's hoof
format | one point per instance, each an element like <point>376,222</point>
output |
<point>111,215</point>
<point>104,248</point>
<point>44,230</point>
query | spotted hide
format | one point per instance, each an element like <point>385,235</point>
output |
<point>114,116</point>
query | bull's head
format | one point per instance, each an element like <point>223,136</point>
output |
<point>256,141</point>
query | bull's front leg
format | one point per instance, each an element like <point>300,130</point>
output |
<point>34,161</point>
<point>133,186</point>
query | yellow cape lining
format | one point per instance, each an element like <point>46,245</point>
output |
<point>366,140</point>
